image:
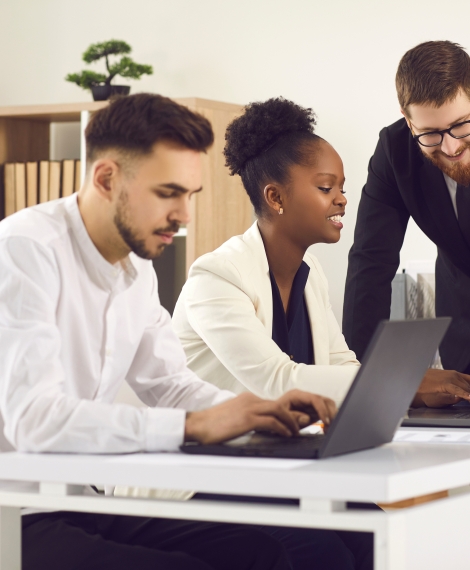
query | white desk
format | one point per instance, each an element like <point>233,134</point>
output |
<point>433,535</point>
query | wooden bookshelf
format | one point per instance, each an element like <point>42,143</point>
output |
<point>24,131</point>
<point>221,211</point>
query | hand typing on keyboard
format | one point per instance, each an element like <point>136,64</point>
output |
<point>285,416</point>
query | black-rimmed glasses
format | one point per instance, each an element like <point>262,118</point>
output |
<point>435,138</point>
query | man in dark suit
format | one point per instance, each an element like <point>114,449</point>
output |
<point>420,168</point>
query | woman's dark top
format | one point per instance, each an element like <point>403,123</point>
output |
<point>292,332</point>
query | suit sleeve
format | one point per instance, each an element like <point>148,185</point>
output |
<point>375,255</point>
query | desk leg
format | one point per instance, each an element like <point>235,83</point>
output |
<point>390,543</point>
<point>10,538</point>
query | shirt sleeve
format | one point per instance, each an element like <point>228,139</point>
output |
<point>39,415</point>
<point>159,374</point>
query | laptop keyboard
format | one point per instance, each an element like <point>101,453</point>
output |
<point>439,413</point>
<point>269,445</point>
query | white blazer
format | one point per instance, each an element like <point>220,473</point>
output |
<point>224,319</point>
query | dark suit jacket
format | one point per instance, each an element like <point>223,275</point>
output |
<point>402,183</point>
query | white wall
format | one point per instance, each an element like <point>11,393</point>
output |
<point>337,56</point>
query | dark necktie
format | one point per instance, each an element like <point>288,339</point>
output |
<point>463,210</point>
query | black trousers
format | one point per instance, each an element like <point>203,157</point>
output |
<point>309,549</point>
<point>75,541</point>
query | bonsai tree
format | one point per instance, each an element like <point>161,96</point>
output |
<point>125,66</point>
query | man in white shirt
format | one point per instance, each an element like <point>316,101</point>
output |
<point>79,314</point>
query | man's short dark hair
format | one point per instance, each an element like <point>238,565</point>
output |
<point>133,124</point>
<point>432,73</point>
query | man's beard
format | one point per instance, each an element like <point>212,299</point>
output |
<point>457,171</point>
<point>129,234</point>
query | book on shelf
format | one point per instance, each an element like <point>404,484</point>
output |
<point>78,175</point>
<point>54,180</point>
<point>43,181</point>
<point>68,181</point>
<point>20,186</point>
<point>31,184</point>
<point>27,184</point>
<point>9,186</point>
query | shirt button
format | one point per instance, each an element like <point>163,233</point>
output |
<point>108,352</point>
<point>292,357</point>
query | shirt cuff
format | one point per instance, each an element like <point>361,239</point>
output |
<point>164,429</point>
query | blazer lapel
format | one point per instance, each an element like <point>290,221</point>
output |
<point>318,324</point>
<point>262,294</point>
<point>263,298</point>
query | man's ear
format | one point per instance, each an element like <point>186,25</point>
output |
<point>104,175</point>
<point>273,198</point>
<point>406,119</point>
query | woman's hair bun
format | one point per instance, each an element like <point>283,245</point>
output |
<point>261,126</point>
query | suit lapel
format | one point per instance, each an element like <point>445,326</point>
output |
<point>435,196</point>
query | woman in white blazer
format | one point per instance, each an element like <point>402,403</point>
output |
<point>233,304</point>
<point>254,314</point>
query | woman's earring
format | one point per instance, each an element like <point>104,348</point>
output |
<point>281,211</point>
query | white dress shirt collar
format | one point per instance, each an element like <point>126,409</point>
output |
<point>106,275</point>
<point>452,188</point>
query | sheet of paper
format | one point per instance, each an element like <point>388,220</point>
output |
<point>432,436</point>
<point>314,428</point>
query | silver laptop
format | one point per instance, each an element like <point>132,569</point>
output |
<point>391,372</point>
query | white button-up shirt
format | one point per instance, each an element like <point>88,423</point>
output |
<point>73,327</point>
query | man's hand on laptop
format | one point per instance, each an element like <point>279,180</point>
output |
<point>286,416</point>
<point>441,388</point>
